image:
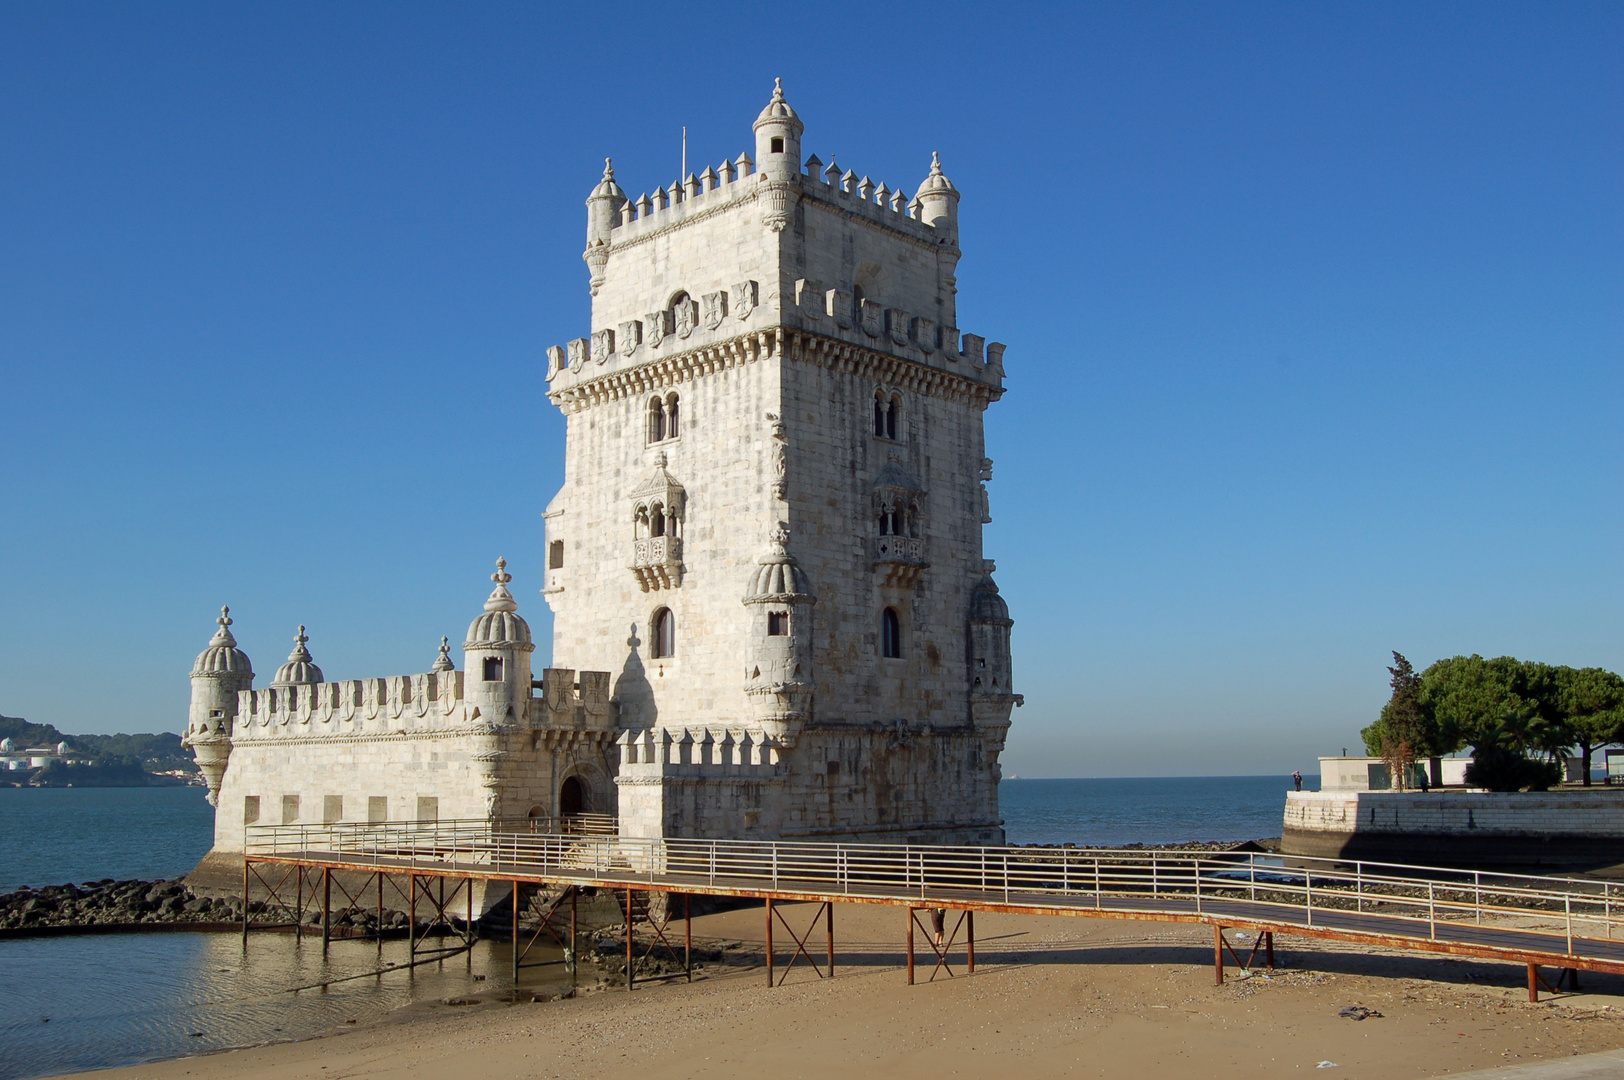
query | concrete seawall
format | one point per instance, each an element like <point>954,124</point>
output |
<point>1512,830</point>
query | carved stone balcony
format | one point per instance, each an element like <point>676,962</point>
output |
<point>900,558</point>
<point>657,562</point>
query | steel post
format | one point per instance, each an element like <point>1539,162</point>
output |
<point>1218,952</point>
<point>298,915</point>
<point>769,941</point>
<point>829,924</point>
<point>575,961</point>
<point>1533,982</point>
<point>631,963</point>
<point>910,946</point>
<point>970,941</point>
<point>245,901</point>
<point>515,933</point>
<point>688,935</point>
<point>326,908</point>
<point>1268,947</point>
<point>411,917</point>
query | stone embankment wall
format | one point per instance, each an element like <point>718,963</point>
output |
<point>1556,829</point>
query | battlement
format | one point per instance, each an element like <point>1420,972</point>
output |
<point>875,202</point>
<point>672,205</point>
<point>735,181</point>
<point>705,751</point>
<point>428,702</point>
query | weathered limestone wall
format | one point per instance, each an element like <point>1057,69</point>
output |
<point>1490,829</point>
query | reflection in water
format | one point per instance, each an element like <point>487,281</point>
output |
<point>96,1001</point>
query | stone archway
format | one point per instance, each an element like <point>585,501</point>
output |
<point>572,797</point>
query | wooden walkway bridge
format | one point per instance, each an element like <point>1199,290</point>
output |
<point>1569,924</point>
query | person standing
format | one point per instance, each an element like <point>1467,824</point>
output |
<point>1297,780</point>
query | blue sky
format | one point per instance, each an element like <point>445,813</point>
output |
<point>1314,316</point>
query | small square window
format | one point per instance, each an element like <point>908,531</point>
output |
<point>493,669</point>
<point>332,809</point>
<point>778,145</point>
<point>250,809</point>
<point>377,809</point>
<point>777,623</point>
<point>290,809</point>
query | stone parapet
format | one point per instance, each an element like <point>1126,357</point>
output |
<point>1482,828</point>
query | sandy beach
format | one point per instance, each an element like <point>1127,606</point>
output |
<point>1050,997</point>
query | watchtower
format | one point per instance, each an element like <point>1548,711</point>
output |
<point>770,524</point>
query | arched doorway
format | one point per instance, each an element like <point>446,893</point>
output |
<point>571,797</point>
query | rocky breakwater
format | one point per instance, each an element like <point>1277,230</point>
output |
<point>108,903</point>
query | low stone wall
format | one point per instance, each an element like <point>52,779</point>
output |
<point>1520,830</point>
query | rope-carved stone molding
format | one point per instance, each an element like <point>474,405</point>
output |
<point>764,345</point>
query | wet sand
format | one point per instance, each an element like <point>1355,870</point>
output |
<point>1050,997</point>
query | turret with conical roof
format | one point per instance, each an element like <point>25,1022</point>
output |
<point>221,670</point>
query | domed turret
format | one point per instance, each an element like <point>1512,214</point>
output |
<point>602,210</point>
<point>939,202</point>
<point>496,657</point>
<point>778,672</point>
<point>778,159</point>
<point>221,671</point>
<point>443,661</point>
<point>987,641</point>
<point>222,657</point>
<point>299,670</point>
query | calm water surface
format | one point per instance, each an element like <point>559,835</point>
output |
<point>75,1003</point>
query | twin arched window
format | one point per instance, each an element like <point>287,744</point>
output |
<point>663,634</point>
<point>662,418</point>
<point>899,520</point>
<point>890,634</point>
<point>887,415</point>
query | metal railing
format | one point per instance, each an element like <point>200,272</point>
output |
<point>1572,916</point>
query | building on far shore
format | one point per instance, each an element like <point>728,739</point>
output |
<point>765,563</point>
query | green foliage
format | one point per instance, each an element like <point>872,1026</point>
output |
<point>116,770</point>
<point>1507,710</point>
<point>158,752</point>
<point>1501,768</point>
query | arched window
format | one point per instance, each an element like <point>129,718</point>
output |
<point>656,420</point>
<point>656,520</point>
<point>663,638</point>
<point>879,415</point>
<point>891,415</point>
<point>671,431</point>
<point>890,634</point>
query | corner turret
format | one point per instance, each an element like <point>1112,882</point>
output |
<point>938,203</point>
<point>496,657</point>
<point>991,695</point>
<point>220,672</point>
<point>778,159</point>
<point>778,671</point>
<point>602,212</point>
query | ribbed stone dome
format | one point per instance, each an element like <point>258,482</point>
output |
<point>985,603</point>
<point>222,657</point>
<point>501,623</point>
<point>935,182</point>
<point>778,110</point>
<point>778,575</point>
<point>300,670</point>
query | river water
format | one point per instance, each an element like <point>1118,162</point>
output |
<point>94,1001</point>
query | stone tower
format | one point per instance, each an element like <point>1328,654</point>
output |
<point>770,525</point>
<point>221,671</point>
